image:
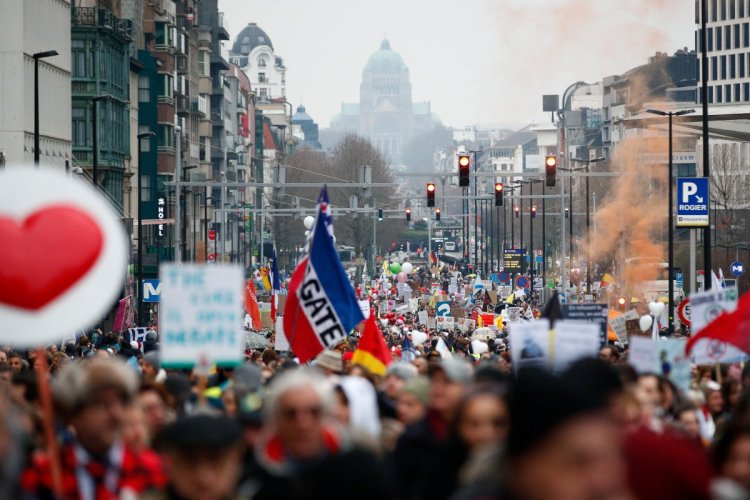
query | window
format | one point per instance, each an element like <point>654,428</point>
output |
<point>166,86</point>
<point>710,37</point>
<point>723,10</point>
<point>719,94</point>
<point>146,187</point>
<point>204,64</point>
<point>741,60</point>
<point>714,10</point>
<point>714,68</point>
<point>727,93</point>
<point>723,67</point>
<point>745,34</point>
<point>261,62</point>
<point>145,141</point>
<point>144,88</point>
<point>162,34</point>
<point>710,95</point>
<point>262,77</point>
<point>741,10</point>
<point>80,127</point>
<point>262,92</point>
<point>80,61</point>
<point>737,42</point>
<point>746,92</point>
<point>737,95</point>
<point>166,136</point>
<point>732,11</point>
<point>727,37</point>
<point>732,67</point>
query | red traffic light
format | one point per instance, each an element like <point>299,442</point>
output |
<point>430,187</point>
<point>551,161</point>
<point>430,194</point>
<point>533,211</point>
<point>464,168</point>
<point>408,214</point>
<point>498,186</point>
<point>437,214</point>
<point>499,194</point>
<point>408,211</point>
<point>550,168</point>
<point>464,161</point>
<point>517,210</point>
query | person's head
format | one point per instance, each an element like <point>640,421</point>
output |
<point>6,376</point>
<point>152,399</point>
<point>203,454</point>
<point>330,362</point>
<point>482,418</point>
<point>150,366</point>
<point>93,397</point>
<point>298,404</point>
<point>648,391</point>
<point>562,443</point>
<point>3,357</point>
<point>687,419</point>
<point>448,382</point>
<point>412,401</point>
<point>731,390</point>
<point>396,377</point>
<point>731,454</point>
<point>135,434</point>
<point>609,354</point>
<point>421,364</point>
<point>712,394</point>
<point>15,361</point>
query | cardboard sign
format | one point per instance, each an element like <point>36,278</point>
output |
<point>200,314</point>
<point>46,292</point>
<point>663,357</point>
<point>619,323</point>
<point>458,312</point>
<point>445,322</point>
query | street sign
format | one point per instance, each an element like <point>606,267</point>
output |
<point>151,290</point>
<point>737,268</point>
<point>212,234</point>
<point>522,281</point>
<point>692,202</point>
<point>683,312</point>
<point>504,277</point>
<point>679,279</point>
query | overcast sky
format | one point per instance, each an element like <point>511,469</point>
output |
<point>477,61</point>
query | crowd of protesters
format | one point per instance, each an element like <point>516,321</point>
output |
<point>433,427</point>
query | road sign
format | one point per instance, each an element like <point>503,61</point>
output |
<point>679,279</point>
<point>692,202</point>
<point>737,268</point>
<point>514,260</point>
<point>683,312</point>
<point>151,290</point>
<point>212,234</point>
<point>503,276</point>
<point>522,281</point>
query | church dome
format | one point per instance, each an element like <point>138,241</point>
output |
<point>250,37</point>
<point>385,60</point>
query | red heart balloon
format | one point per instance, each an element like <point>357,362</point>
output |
<point>43,256</point>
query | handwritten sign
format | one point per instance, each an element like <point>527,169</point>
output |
<point>200,314</point>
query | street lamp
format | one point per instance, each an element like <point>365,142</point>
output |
<point>588,163</point>
<point>670,229</point>
<point>94,138</point>
<point>37,56</point>
<point>139,284</point>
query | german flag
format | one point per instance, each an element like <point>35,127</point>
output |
<point>372,351</point>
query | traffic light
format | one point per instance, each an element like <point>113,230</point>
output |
<point>464,167</point>
<point>567,213</point>
<point>550,166</point>
<point>533,212</point>
<point>408,215</point>
<point>437,214</point>
<point>499,194</point>
<point>518,212</point>
<point>380,214</point>
<point>430,194</point>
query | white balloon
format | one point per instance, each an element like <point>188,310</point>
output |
<point>418,338</point>
<point>407,267</point>
<point>645,322</point>
<point>309,221</point>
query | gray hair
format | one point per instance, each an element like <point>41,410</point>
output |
<point>297,378</point>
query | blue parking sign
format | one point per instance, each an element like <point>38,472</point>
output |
<point>692,202</point>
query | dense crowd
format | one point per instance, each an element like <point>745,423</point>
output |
<point>434,426</point>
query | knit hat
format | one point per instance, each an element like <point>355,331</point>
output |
<point>153,359</point>
<point>539,404</point>
<point>419,387</point>
<point>330,360</point>
<point>456,370</point>
<point>402,370</point>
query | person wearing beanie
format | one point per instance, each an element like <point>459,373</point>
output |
<point>93,398</point>
<point>413,400</point>
<point>396,376</point>
<point>151,368</point>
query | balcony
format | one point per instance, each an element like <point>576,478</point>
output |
<point>181,64</point>
<point>94,17</point>
<point>221,32</point>
<point>182,105</point>
<point>199,105</point>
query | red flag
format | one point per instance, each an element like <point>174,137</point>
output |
<point>372,351</point>
<point>301,338</point>
<point>251,304</point>
<point>732,328</point>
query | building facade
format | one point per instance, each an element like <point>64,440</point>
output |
<point>385,113</point>
<point>253,52</point>
<point>21,36</point>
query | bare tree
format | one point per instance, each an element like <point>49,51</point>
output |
<point>730,192</point>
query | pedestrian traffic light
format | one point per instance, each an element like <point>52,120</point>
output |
<point>518,212</point>
<point>430,194</point>
<point>533,212</point>
<point>499,194</point>
<point>408,215</point>
<point>380,214</point>
<point>550,165</point>
<point>437,214</point>
<point>464,167</point>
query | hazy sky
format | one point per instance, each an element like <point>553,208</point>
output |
<point>477,61</point>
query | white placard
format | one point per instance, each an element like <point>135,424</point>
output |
<point>514,315</point>
<point>201,314</point>
<point>364,306</point>
<point>704,308</point>
<point>445,322</point>
<point>574,340</point>
<point>281,343</point>
<point>530,343</point>
<point>422,317</point>
<point>413,305</point>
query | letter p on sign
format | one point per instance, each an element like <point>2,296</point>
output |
<point>688,189</point>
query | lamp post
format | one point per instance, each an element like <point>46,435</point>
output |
<point>587,163</point>
<point>670,216</point>
<point>36,57</point>
<point>139,278</point>
<point>94,138</point>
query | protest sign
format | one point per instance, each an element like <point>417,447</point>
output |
<point>514,314</point>
<point>422,317</point>
<point>443,308</point>
<point>200,314</point>
<point>663,357</point>
<point>458,312</point>
<point>530,343</point>
<point>488,320</point>
<point>619,323</point>
<point>431,323</point>
<point>364,306</point>
<point>445,322</point>
<point>413,305</point>
<point>589,313</point>
<point>572,341</point>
